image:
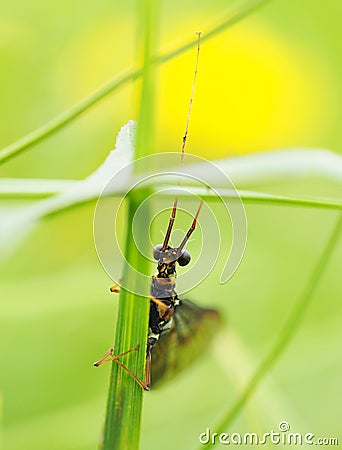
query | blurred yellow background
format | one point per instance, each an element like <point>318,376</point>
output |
<point>271,81</point>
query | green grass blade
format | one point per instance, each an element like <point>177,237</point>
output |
<point>125,398</point>
<point>33,187</point>
<point>32,190</point>
<point>285,335</point>
<point>236,12</point>
<point>22,219</point>
<point>254,197</point>
<point>63,119</point>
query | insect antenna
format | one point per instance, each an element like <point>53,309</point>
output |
<point>191,99</point>
<point>190,230</point>
<point>185,136</point>
<point>171,222</point>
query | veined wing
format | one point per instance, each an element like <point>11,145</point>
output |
<point>192,331</point>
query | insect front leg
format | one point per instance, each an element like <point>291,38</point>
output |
<point>116,288</point>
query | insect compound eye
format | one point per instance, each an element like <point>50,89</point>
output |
<point>184,258</point>
<point>157,251</point>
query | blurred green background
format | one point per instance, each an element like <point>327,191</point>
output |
<point>271,81</point>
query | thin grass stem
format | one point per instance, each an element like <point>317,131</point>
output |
<point>236,12</point>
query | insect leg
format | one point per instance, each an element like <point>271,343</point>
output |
<point>148,368</point>
<point>141,384</point>
<point>116,287</point>
<point>109,356</point>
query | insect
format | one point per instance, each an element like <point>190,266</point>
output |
<point>178,330</point>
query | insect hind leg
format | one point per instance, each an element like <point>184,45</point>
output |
<point>109,356</point>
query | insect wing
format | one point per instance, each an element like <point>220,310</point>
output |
<point>192,331</point>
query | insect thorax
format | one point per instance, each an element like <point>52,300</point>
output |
<point>163,287</point>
